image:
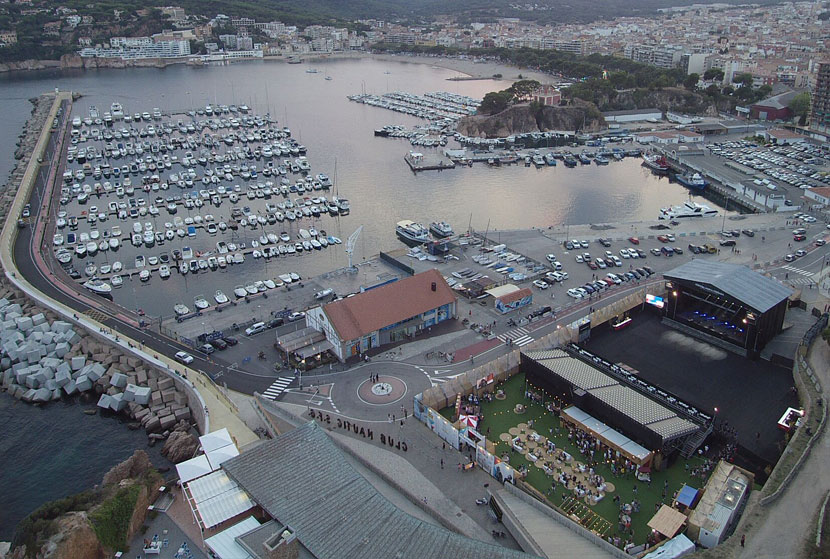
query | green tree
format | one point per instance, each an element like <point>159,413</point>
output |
<point>523,89</point>
<point>691,80</point>
<point>800,105</point>
<point>495,102</point>
<point>713,74</point>
<point>745,79</point>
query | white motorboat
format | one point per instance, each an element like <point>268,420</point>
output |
<point>687,210</point>
<point>117,281</point>
<point>200,302</point>
<point>98,286</point>
<point>144,275</point>
<point>441,229</point>
<point>139,261</point>
<point>240,291</point>
<point>117,266</point>
<point>251,288</point>
<point>114,243</point>
<point>180,309</point>
<point>270,284</point>
<point>183,268</point>
<point>286,278</point>
<point>90,270</point>
<point>164,271</point>
<point>220,297</point>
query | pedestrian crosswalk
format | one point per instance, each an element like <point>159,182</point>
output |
<point>277,388</point>
<point>795,270</point>
<point>519,336</point>
<point>800,281</point>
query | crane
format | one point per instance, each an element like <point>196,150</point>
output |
<point>351,242</point>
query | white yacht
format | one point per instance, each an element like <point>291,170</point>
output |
<point>687,210</point>
<point>200,302</point>
<point>98,286</point>
<point>117,111</point>
<point>412,233</point>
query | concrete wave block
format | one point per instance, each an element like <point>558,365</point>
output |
<point>167,422</point>
<point>59,326</point>
<point>8,377</point>
<point>70,388</point>
<point>183,413</point>
<point>77,362</point>
<point>82,383</point>
<point>61,349</point>
<point>21,374</point>
<point>41,328</point>
<point>117,402</point>
<point>129,395</point>
<point>153,424</point>
<point>62,378</point>
<point>19,391</point>
<point>51,385</point>
<point>51,362</point>
<point>142,395</point>
<point>99,369</point>
<point>56,394</point>
<point>42,395</point>
<point>29,395</point>
<point>165,384</point>
<point>93,374</point>
<point>71,337</point>
<point>63,367</point>
<point>14,308</point>
<point>32,382</point>
<point>119,380</point>
<point>24,323</point>
<point>105,401</point>
<point>5,363</point>
<point>46,338</point>
<point>38,319</point>
<point>168,396</point>
<point>4,303</point>
<point>36,337</point>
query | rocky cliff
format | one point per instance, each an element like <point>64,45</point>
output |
<point>64,529</point>
<point>75,61</point>
<point>521,119</point>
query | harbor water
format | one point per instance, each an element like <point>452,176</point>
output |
<point>56,450</point>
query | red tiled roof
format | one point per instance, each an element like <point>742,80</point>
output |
<point>515,296</point>
<point>374,309</point>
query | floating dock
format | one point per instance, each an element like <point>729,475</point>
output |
<point>428,161</point>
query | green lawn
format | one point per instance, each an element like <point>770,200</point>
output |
<point>499,417</point>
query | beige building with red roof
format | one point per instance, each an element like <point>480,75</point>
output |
<point>386,314</point>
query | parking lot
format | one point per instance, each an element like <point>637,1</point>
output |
<point>778,167</point>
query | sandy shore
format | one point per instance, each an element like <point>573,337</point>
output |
<point>466,67</point>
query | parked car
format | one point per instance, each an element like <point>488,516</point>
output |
<point>230,341</point>
<point>274,322</point>
<point>634,240</point>
<point>748,232</point>
<point>255,328</point>
<point>296,316</point>
<point>219,344</point>
<point>727,242</point>
<point>207,349</point>
<point>541,284</point>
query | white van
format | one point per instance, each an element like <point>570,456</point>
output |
<point>255,329</point>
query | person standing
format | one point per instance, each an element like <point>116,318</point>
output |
<point>743,540</point>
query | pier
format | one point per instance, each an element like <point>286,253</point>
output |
<point>428,161</point>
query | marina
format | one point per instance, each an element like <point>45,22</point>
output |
<point>148,196</point>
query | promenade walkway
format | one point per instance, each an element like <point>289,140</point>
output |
<point>788,522</point>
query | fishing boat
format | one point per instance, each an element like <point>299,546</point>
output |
<point>220,297</point>
<point>694,181</point>
<point>657,164</point>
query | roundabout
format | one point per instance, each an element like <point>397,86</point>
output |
<point>386,390</point>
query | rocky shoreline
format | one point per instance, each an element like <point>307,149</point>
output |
<point>74,61</point>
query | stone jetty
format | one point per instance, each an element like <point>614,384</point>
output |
<point>44,359</point>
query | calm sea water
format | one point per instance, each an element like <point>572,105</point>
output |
<point>54,451</point>
<point>50,452</point>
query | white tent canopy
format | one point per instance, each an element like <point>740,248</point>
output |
<point>216,439</point>
<point>224,545</point>
<point>193,468</point>
<point>216,457</point>
<point>215,498</point>
<point>676,547</point>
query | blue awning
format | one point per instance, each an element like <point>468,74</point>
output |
<point>687,496</point>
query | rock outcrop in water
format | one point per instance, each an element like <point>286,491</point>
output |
<point>181,445</point>
<point>521,119</point>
